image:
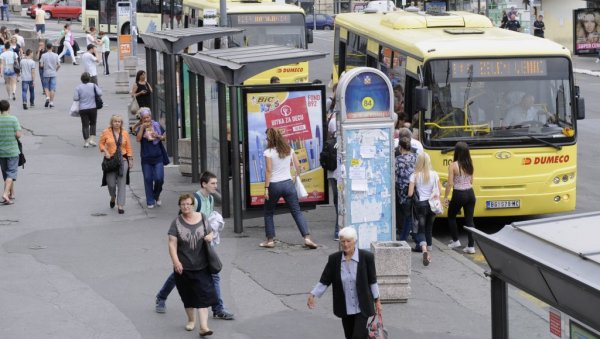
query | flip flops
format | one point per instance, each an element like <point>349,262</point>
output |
<point>310,244</point>
<point>267,244</point>
<point>7,202</point>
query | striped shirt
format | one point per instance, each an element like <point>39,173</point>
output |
<point>9,125</point>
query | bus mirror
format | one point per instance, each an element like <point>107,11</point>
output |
<point>422,98</point>
<point>580,108</point>
<point>309,36</point>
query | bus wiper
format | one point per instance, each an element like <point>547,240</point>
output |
<point>545,142</point>
<point>450,149</point>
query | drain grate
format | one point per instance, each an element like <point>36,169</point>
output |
<point>7,222</point>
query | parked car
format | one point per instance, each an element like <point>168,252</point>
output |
<point>324,21</point>
<point>59,9</point>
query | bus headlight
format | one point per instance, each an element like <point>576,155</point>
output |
<point>565,178</point>
<point>556,180</point>
<point>557,198</point>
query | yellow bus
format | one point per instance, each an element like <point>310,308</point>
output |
<point>151,16</point>
<point>264,23</point>
<point>509,96</point>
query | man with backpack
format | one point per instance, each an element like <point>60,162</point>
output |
<point>204,202</point>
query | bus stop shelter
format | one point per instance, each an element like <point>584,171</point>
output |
<point>171,43</point>
<point>556,260</point>
<point>232,67</point>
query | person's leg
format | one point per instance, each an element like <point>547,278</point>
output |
<point>85,125</point>
<point>203,316</point>
<point>334,190</point>
<point>269,209</point>
<point>31,93</point>
<point>167,287</point>
<point>469,209</point>
<point>291,198</point>
<point>453,208</point>
<point>42,82</point>
<point>191,323</point>
<point>13,86</point>
<point>7,85</point>
<point>93,114</point>
<point>422,210</point>
<point>159,178</point>
<point>429,228</point>
<point>348,324</point>
<point>121,181</point>
<point>106,71</point>
<point>147,172</point>
<point>111,184</point>
<point>360,327</point>
<point>218,307</point>
<point>24,89</point>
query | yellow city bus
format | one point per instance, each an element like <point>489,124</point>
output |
<point>151,16</point>
<point>509,96</point>
<point>264,23</point>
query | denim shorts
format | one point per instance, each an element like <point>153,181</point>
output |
<point>40,28</point>
<point>9,167</point>
<point>49,83</point>
<point>9,72</point>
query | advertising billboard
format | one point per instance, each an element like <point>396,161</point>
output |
<point>587,31</point>
<point>299,112</point>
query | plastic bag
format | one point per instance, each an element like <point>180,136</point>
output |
<point>74,111</point>
<point>300,190</point>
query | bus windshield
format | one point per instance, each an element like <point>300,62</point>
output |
<point>286,29</point>
<point>519,100</point>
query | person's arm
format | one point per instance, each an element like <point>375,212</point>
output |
<point>296,164</point>
<point>321,286</point>
<point>450,183</point>
<point>268,173</point>
<point>149,87</point>
<point>372,279</point>
<point>140,133</point>
<point>76,94</point>
<point>177,266</point>
<point>128,149</point>
<point>134,90</point>
<point>411,189</point>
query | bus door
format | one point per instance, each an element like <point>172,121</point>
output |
<point>108,16</point>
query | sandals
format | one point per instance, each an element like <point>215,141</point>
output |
<point>311,245</point>
<point>426,259</point>
<point>267,244</point>
<point>207,333</point>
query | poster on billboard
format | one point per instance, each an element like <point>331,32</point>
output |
<point>587,31</point>
<point>299,112</point>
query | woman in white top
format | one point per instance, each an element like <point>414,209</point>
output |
<point>424,180</point>
<point>8,58</point>
<point>279,184</point>
<point>68,44</point>
<point>91,39</point>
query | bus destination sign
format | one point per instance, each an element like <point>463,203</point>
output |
<point>261,19</point>
<point>498,68</point>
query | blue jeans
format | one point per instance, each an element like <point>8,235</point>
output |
<point>25,86</point>
<point>403,220</point>
<point>5,12</point>
<point>425,217</point>
<point>287,190</point>
<point>154,176</point>
<point>168,286</point>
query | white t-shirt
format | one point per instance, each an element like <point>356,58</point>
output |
<point>90,39</point>
<point>40,16</point>
<point>280,169</point>
<point>89,63</point>
<point>425,189</point>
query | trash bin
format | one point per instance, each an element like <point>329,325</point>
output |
<point>393,265</point>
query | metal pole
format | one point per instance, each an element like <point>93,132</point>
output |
<point>194,126</point>
<point>236,174</point>
<point>151,78</point>
<point>202,122</point>
<point>172,11</point>
<point>171,106</point>
<point>223,13</point>
<point>224,151</point>
<point>499,294</point>
<point>182,105</point>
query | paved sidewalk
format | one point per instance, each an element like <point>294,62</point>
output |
<point>71,267</point>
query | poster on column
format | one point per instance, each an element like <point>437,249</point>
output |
<point>299,112</point>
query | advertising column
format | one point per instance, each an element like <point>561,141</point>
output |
<point>366,155</point>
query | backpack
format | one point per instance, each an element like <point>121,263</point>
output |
<point>328,156</point>
<point>199,200</point>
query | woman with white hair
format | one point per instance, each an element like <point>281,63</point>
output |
<point>150,135</point>
<point>355,290</point>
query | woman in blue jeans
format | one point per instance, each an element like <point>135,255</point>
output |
<point>150,134</point>
<point>424,181</point>
<point>279,184</point>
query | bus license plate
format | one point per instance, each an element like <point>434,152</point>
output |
<point>503,204</point>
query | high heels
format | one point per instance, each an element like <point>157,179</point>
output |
<point>112,203</point>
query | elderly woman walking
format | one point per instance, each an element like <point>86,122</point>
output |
<point>352,273</point>
<point>188,235</point>
<point>114,141</point>
<point>150,135</point>
<point>278,184</point>
<point>85,94</point>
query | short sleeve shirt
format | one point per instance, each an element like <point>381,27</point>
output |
<point>405,166</point>
<point>40,16</point>
<point>280,169</point>
<point>425,189</point>
<point>105,44</point>
<point>190,239</point>
<point>50,63</point>
<point>9,125</point>
<point>27,67</point>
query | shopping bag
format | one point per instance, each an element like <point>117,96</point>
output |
<point>376,329</point>
<point>300,190</point>
<point>74,111</point>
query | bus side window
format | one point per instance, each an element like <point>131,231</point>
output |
<point>356,51</point>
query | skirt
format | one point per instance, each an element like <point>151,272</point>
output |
<point>196,288</point>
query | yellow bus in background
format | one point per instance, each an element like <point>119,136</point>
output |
<point>509,96</point>
<point>264,23</point>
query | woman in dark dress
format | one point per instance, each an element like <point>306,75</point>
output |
<point>187,238</point>
<point>141,90</point>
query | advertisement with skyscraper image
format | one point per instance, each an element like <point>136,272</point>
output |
<point>299,112</point>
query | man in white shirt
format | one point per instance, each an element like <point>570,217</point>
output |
<point>89,62</point>
<point>40,21</point>
<point>526,113</point>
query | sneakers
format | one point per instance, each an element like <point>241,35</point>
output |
<point>223,315</point>
<point>92,142</point>
<point>51,104</point>
<point>32,105</point>
<point>469,250</point>
<point>14,97</point>
<point>47,102</point>
<point>24,106</point>
<point>150,207</point>
<point>86,144</point>
<point>597,60</point>
<point>454,244</point>
<point>161,306</point>
<point>158,203</point>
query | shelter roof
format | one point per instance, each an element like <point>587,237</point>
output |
<point>175,40</point>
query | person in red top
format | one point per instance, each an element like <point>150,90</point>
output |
<point>116,180</point>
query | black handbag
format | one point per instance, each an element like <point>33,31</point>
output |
<point>113,163</point>
<point>99,102</point>
<point>214,263</point>
<point>22,159</point>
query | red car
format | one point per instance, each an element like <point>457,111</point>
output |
<point>59,9</point>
